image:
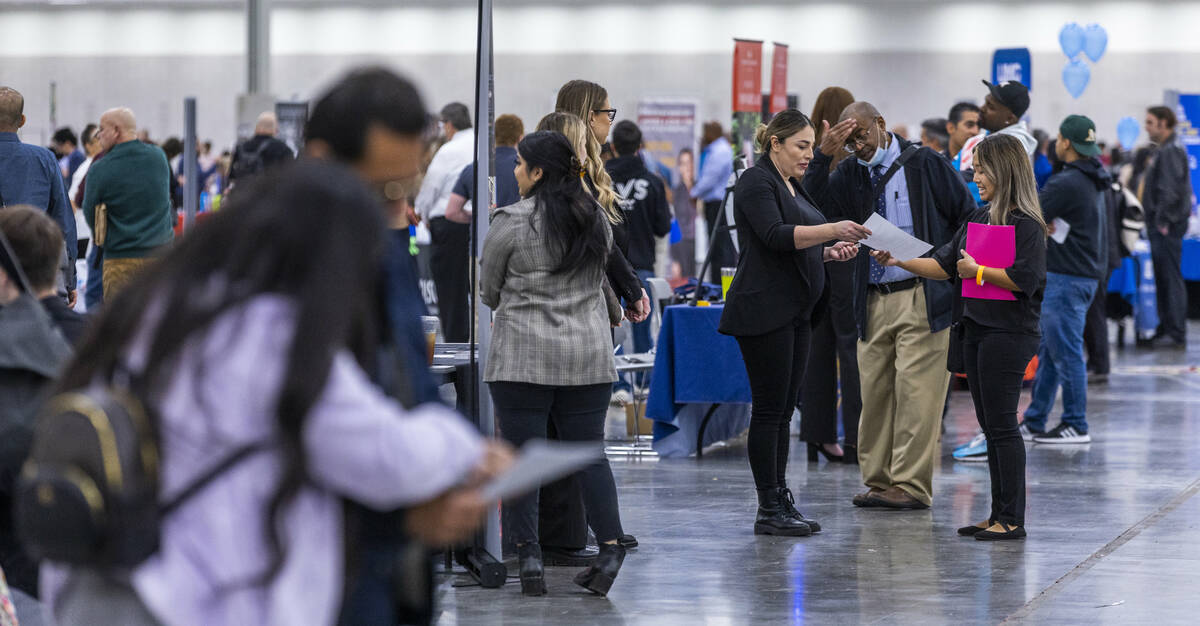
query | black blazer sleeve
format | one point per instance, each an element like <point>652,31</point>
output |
<point>756,200</point>
<point>621,277</point>
<point>953,200</point>
<point>818,182</point>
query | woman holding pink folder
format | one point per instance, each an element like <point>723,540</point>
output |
<point>999,313</point>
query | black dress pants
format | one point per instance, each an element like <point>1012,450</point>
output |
<point>833,355</point>
<point>449,263</point>
<point>578,413</point>
<point>995,361</point>
<point>1166,251</point>
<point>1095,330</point>
<point>722,253</point>
<point>775,366</point>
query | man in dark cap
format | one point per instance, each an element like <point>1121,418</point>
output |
<point>1001,113</point>
<point>1076,260</point>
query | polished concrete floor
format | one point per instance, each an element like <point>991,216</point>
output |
<point>1114,533</point>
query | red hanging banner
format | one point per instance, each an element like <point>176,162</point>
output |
<point>779,63</point>
<point>747,76</point>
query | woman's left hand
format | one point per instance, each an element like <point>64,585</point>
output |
<point>841,251</point>
<point>967,267</point>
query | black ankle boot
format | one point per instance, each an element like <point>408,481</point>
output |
<point>600,576</point>
<point>773,518</point>
<point>788,502</point>
<point>533,575</point>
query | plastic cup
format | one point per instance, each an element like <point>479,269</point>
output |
<point>726,280</point>
<point>430,325</point>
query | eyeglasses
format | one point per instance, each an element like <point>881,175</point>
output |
<point>856,143</point>
<point>612,113</point>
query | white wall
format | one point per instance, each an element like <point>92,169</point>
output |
<point>913,59</point>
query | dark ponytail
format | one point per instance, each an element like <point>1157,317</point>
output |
<point>574,223</point>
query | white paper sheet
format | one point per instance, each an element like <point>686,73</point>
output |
<point>1061,229</point>
<point>540,462</point>
<point>888,237</point>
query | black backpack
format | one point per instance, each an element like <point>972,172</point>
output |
<point>249,162</point>
<point>89,492</point>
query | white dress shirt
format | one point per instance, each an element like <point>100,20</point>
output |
<point>443,172</point>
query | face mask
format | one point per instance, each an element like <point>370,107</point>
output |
<point>876,158</point>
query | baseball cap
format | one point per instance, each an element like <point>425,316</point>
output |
<point>1081,132</point>
<point>1011,94</point>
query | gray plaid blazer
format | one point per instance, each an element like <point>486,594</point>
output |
<point>549,329</point>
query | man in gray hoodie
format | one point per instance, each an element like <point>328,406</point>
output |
<point>1002,110</point>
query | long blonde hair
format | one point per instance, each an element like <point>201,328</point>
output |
<point>578,134</point>
<point>1003,159</point>
<point>581,98</point>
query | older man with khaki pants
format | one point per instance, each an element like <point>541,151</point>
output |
<point>902,320</point>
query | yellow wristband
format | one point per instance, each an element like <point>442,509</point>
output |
<point>979,276</point>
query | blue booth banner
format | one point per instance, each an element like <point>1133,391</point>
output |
<point>1189,134</point>
<point>1012,64</point>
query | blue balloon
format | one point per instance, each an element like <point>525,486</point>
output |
<point>1095,41</point>
<point>1128,130</point>
<point>1075,77</point>
<point>1071,39</point>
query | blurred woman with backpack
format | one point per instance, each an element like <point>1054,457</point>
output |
<point>259,329</point>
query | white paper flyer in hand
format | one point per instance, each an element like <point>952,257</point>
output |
<point>1061,228</point>
<point>539,462</point>
<point>887,237</point>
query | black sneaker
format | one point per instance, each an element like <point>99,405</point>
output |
<point>1063,434</point>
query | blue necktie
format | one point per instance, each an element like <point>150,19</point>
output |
<point>877,270</point>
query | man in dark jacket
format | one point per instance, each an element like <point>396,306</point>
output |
<point>901,319</point>
<point>644,203</point>
<point>259,152</point>
<point>1072,200</point>
<point>1167,196</point>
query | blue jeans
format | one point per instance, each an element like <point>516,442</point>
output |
<point>641,339</point>
<point>1060,354</point>
<point>93,292</point>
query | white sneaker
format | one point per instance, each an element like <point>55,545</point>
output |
<point>1028,434</point>
<point>1063,434</point>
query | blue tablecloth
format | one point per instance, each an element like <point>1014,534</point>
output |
<point>1134,280</point>
<point>695,364</point>
<point>1191,259</point>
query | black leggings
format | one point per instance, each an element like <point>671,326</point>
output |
<point>995,362</point>
<point>578,413</point>
<point>775,365</point>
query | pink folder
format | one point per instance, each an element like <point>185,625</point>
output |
<point>992,246</point>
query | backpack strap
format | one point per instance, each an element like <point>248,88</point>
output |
<point>904,157</point>
<point>197,485</point>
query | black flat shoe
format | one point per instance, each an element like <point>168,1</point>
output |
<point>533,574</point>
<point>815,448</point>
<point>600,576</point>
<point>1007,532</point>
<point>788,501</point>
<point>629,541</point>
<point>974,529</point>
<point>774,519</point>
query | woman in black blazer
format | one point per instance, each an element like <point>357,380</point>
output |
<point>772,301</point>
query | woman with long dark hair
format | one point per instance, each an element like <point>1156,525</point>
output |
<point>551,354</point>
<point>775,297</point>
<point>1001,336</point>
<point>260,328</point>
<point>832,370</point>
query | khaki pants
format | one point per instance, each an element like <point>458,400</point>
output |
<point>902,367</point>
<point>120,273</point>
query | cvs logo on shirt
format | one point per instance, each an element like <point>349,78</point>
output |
<point>634,189</point>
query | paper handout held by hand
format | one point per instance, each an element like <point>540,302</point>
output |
<point>991,246</point>
<point>540,462</point>
<point>890,238</point>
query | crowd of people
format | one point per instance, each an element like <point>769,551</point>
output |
<point>279,353</point>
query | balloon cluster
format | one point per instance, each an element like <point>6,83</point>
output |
<point>1091,40</point>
